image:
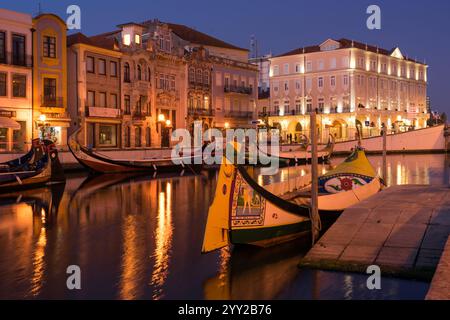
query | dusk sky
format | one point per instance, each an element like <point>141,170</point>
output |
<point>420,28</point>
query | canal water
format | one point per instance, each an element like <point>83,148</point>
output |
<point>140,238</point>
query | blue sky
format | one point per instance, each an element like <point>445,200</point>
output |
<point>420,28</point>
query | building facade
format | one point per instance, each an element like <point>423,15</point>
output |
<point>94,79</point>
<point>50,114</point>
<point>349,84</point>
<point>16,115</point>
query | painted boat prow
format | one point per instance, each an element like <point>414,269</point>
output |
<point>218,222</point>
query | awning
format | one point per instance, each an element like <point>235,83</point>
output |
<point>9,123</point>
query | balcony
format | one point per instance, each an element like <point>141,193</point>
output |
<point>239,114</point>
<point>237,89</point>
<point>200,112</point>
<point>198,85</point>
<point>102,112</point>
<point>139,115</point>
<point>52,102</point>
<point>14,59</point>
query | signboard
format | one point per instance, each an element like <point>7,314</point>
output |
<point>103,112</point>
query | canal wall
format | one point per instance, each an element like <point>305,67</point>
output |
<point>402,229</point>
<point>430,139</point>
<point>69,162</point>
<point>440,286</point>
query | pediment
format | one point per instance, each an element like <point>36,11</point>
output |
<point>329,45</point>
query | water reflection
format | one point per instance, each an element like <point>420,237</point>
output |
<point>137,237</point>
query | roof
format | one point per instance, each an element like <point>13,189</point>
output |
<point>100,41</point>
<point>345,43</point>
<point>197,37</point>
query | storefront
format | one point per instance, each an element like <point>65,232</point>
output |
<point>13,135</point>
<point>103,135</point>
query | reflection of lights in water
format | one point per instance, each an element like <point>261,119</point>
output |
<point>38,263</point>
<point>260,180</point>
<point>129,282</point>
<point>163,237</point>
<point>348,287</point>
<point>223,265</point>
<point>43,216</point>
<point>399,173</point>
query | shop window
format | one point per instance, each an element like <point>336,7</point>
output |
<point>107,136</point>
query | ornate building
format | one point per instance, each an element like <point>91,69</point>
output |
<point>350,84</point>
<point>50,79</point>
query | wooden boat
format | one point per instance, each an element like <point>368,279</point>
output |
<point>244,212</point>
<point>16,164</point>
<point>98,163</point>
<point>44,168</point>
<point>303,155</point>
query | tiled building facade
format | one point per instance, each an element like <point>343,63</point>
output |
<point>350,84</point>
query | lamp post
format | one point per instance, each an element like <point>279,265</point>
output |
<point>41,125</point>
<point>161,121</point>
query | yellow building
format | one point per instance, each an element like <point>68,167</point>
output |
<point>50,116</point>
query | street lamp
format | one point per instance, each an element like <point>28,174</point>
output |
<point>227,125</point>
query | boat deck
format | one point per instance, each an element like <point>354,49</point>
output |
<point>402,229</point>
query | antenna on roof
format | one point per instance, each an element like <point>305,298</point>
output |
<point>353,44</point>
<point>303,49</point>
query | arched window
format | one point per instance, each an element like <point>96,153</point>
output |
<point>149,74</point>
<point>206,77</point>
<point>298,127</point>
<point>148,141</point>
<point>191,75</point>
<point>137,137</point>
<point>198,78</point>
<point>126,72</point>
<point>139,72</point>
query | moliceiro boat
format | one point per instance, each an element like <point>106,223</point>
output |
<point>99,163</point>
<point>244,212</point>
<point>302,155</point>
<point>38,167</point>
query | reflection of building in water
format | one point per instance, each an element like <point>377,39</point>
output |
<point>163,239</point>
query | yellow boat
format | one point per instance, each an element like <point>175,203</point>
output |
<point>244,212</point>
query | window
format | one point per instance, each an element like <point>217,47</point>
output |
<point>126,72</point>
<point>321,104</point>
<point>275,87</point>
<point>276,71</point>
<point>137,38</point>
<point>102,99</point>
<point>49,90</point>
<point>149,74</point>
<point>113,100</point>
<point>321,66</point>
<point>308,84</point>
<point>113,68</point>
<point>127,104</point>
<point>191,75</point>
<point>127,137</point>
<point>137,137</point>
<point>373,65</point>
<point>298,68</point>
<point>361,63</point>
<point>345,62</point>
<point>19,84</point>
<point>107,135</point>
<point>3,84</point>
<point>297,85</point>
<point>172,82</point>
<point>90,64</point>
<point>2,47</point>
<point>308,66</point>
<point>198,78</point>
<point>309,105</point>
<point>102,66</point>
<point>286,86</point>
<point>320,82</point>
<point>346,80</point>
<point>286,106</point>
<point>49,47</point>
<point>139,72</point>
<point>18,49</point>
<point>91,98</point>
<point>286,68</point>
<point>333,81</point>
<point>126,39</point>
<point>148,141</point>
<point>333,63</point>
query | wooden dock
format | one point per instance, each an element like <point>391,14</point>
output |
<point>403,230</point>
